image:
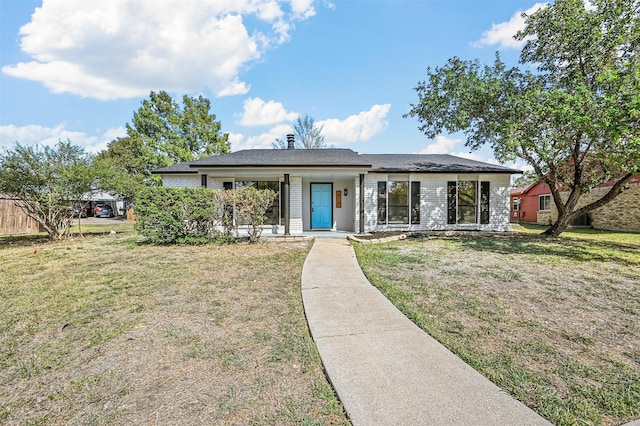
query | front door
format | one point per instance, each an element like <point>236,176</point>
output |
<point>321,205</point>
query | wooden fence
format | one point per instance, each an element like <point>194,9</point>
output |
<point>13,220</point>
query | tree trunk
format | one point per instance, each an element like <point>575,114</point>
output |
<point>560,225</point>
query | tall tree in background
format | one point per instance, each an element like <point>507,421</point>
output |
<point>308,135</point>
<point>45,181</point>
<point>576,121</point>
<point>161,133</point>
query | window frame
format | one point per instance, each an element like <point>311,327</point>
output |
<point>481,201</point>
<point>384,195</point>
<point>516,204</point>
<point>540,202</point>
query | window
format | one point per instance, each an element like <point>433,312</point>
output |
<point>382,202</point>
<point>463,204</point>
<point>545,202</point>
<point>398,202</point>
<point>467,196</point>
<point>415,203</point>
<point>203,181</point>
<point>484,203</point>
<point>516,204</point>
<point>273,212</point>
<point>452,211</point>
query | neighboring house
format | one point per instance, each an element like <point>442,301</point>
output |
<point>534,204</point>
<point>531,203</point>
<point>341,190</point>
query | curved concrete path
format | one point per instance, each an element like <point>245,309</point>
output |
<point>386,370</point>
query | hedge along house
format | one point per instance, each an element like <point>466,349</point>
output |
<point>341,190</point>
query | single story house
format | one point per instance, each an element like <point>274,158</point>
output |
<point>534,204</point>
<point>342,190</point>
<point>530,201</point>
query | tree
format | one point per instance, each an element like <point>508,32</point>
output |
<point>526,179</point>
<point>307,133</point>
<point>576,120</point>
<point>162,133</point>
<point>46,181</point>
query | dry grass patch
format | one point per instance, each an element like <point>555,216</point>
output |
<point>107,330</point>
<point>555,322</point>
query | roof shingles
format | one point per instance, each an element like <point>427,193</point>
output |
<point>382,163</point>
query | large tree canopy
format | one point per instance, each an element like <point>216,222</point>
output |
<point>161,133</point>
<point>46,181</point>
<point>572,112</point>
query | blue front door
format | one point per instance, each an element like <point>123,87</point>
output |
<point>321,205</point>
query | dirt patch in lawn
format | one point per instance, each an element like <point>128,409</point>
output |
<point>107,330</point>
<point>554,322</point>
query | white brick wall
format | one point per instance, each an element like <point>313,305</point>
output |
<point>295,211</point>
<point>190,180</point>
<point>433,203</point>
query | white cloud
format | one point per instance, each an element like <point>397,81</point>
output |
<point>261,141</point>
<point>442,145</point>
<point>109,49</point>
<point>49,136</point>
<point>355,128</point>
<point>260,113</point>
<point>502,34</point>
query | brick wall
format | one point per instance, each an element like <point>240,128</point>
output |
<point>295,209</point>
<point>190,180</point>
<point>433,203</point>
<point>623,213</point>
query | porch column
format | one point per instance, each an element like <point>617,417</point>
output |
<point>287,210</point>
<point>361,230</point>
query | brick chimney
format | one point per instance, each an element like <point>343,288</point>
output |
<point>291,141</point>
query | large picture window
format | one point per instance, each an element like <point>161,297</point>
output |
<point>398,202</point>
<point>545,202</point>
<point>273,212</point>
<point>463,203</point>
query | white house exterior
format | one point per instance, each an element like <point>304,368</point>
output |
<point>341,190</point>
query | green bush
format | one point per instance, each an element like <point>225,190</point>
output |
<point>167,215</point>
<point>251,204</point>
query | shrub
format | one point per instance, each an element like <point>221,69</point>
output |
<point>251,204</point>
<point>167,215</point>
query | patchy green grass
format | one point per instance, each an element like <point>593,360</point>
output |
<point>108,330</point>
<point>584,233</point>
<point>554,322</point>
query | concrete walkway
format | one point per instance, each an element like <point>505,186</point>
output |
<point>386,370</point>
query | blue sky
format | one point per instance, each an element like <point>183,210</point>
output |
<point>77,69</point>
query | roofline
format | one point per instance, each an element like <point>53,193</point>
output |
<point>174,172</point>
<point>279,166</point>
<point>486,172</point>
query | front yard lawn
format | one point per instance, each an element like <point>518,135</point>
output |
<point>108,330</point>
<point>554,322</point>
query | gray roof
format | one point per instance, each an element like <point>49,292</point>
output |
<point>286,157</point>
<point>383,163</point>
<point>431,163</point>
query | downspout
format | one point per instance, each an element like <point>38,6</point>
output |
<point>287,210</point>
<point>361,230</point>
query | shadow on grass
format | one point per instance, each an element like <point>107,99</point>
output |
<point>581,250</point>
